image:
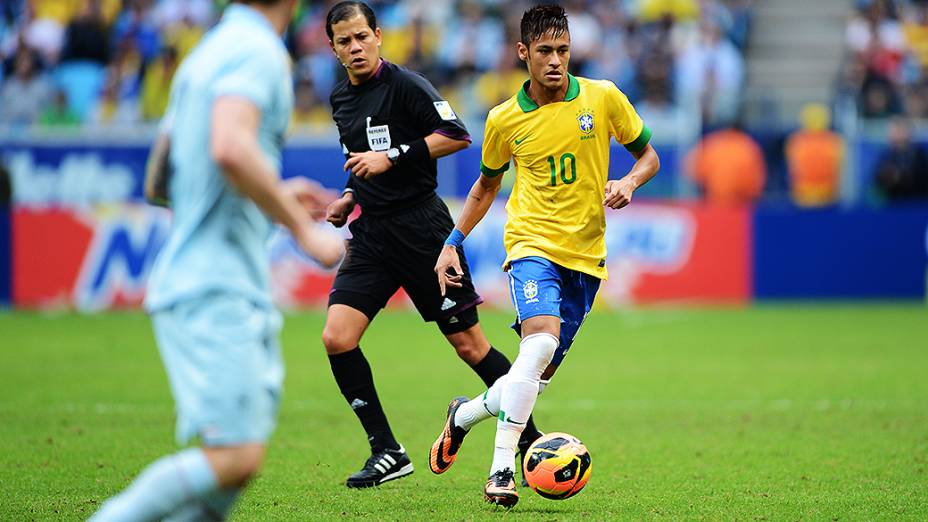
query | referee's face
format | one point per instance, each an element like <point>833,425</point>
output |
<point>357,47</point>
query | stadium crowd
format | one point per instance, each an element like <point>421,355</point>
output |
<point>887,59</point>
<point>74,62</point>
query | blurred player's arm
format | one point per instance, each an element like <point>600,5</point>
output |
<point>478,203</point>
<point>234,147</point>
<point>619,192</point>
<point>158,171</point>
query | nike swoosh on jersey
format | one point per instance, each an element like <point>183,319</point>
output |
<point>519,142</point>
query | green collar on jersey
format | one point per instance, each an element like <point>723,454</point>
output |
<point>527,104</point>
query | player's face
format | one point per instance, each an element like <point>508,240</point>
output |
<point>357,47</point>
<point>547,59</point>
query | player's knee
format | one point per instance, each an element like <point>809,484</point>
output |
<point>337,340</point>
<point>535,354</point>
<point>471,351</point>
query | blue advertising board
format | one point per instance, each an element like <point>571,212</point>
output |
<point>836,253</point>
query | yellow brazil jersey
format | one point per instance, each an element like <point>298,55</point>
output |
<point>561,156</point>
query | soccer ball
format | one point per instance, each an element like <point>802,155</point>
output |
<point>557,466</point>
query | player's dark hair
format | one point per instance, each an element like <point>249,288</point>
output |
<point>541,20</point>
<point>349,9</point>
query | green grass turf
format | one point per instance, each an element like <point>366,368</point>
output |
<point>779,412</point>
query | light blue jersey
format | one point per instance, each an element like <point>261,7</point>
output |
<point>218,239</point>
<point>209,292</point>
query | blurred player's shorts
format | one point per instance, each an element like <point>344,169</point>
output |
<point>223,360</point>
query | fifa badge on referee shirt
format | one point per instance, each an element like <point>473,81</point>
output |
<point>378,137</point>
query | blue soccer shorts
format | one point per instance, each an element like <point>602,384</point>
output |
<point>541,287</point>
<point>223,361</point>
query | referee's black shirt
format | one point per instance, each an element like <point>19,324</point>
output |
<point>395,106</point>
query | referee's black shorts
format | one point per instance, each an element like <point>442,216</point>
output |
<point>400,251</point>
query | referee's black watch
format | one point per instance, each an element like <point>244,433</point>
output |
<point>393,155</point>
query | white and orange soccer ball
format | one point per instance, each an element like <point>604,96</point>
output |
<point>557,466</point>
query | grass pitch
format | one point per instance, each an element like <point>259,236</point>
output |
<point>781,412</point>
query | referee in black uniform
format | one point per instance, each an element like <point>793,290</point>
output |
<point>393,125</point>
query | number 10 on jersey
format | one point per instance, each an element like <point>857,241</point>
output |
<point>566,178</point>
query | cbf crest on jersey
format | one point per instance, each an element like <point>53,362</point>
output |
<point>585,121</point>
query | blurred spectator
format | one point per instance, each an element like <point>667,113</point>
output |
<point>902,170</point>
<point>308,110</point>
<point>156,86</point>
<point>25,93</point>
<point>661,53</point>
<point>654,10</point>
<point>617,53</point>
<point>471,41</point>
<point>86,36</point>
<point>137,23</point>
<point>877,36</point>
<point>814,156</point>
<point>193,12</point>
<point>500,84</point>
<point>183,36</point>
<point>58,113</point>
<point>729,166</point>
<point>710,77</point>
<point>915,30</point>
<point>586,36</point>
<point>114,106</point>
<point>878,97</point>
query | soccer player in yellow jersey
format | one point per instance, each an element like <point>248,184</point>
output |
<point>556,131</point>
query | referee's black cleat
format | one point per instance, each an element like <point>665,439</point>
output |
<point>382,466</point>
<point>445,448</point>
<point>525,442</point>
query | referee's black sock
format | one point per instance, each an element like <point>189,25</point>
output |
<point>356,382</point>
<point>493,366</point>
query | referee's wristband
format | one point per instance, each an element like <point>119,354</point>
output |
<point>455,239</point>
<point>413,152</point>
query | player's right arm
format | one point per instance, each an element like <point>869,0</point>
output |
<point>479,200</point>
<point>494,162</point>
<point>235,149</point>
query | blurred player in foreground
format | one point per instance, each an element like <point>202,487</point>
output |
<point>556,130</point>
<point>209,294</point>
<point>393,125</point>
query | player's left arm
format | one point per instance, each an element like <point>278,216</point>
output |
<point>158,166</point>
<point>628,129</point>
<point>619,192</point>
<point>158,172</point>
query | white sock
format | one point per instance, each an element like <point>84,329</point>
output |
<point>481,407</point>
<point>517,399</point>
<point>486,405</point>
